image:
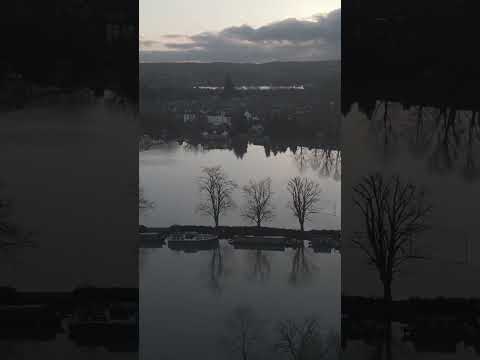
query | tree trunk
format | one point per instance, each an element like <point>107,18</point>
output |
<point>244,354</point>
<point>387,292</point>
<point>388,339</point>
<point>244,348</point>
<point>301,226</point>
<point>216,221</point>
<point>259,224</point>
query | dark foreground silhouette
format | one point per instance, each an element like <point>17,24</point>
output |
<point>92,317</point>
<point>432,325</point>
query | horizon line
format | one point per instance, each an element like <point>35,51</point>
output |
<point>237,62</point>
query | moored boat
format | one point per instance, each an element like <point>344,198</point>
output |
<point>192,240</point>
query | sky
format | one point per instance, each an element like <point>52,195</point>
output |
<point>239,31</point>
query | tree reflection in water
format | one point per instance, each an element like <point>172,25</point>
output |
<point>325,161</point>
<point>244,334</point>
<point>259,265</point>
<point>303,340</point>
<point>382,129</point>
<point>247,337</point>
<point>216,268</point>
<point>220,263</point>
<point>301,158</point>
<point>446,137</point>
<point>302,267</point>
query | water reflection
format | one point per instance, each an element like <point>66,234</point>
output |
<point>245,308</point>
<point>244,333</point>
<point>260,265</point>
<point>448,138</point>
<point>432,151</point>
<point>303,340</point>
<point>47,225</point>
<point>301,270</point>
<point>175,167</point>
<point>216,268</point>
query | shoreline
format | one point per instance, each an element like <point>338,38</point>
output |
<point>332,236</point>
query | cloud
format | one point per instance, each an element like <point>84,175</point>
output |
<point>287,40</point>
<point>148,43</point>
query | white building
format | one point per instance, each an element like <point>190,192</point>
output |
<point>189,117</point>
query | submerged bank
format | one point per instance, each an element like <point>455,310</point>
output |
<point>330,236</point>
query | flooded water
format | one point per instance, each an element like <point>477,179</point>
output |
<point>208,299</point>
<point>45,149</point>
<point>450,243</point>
<point>169,173</point>
<point>437,150</point>
<point>251,87</point>
<point>69,169</point>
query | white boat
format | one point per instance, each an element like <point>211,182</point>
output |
<point>192,239</point>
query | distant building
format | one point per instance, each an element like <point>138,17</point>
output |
<point>219,119</point>
<point>189,117</point>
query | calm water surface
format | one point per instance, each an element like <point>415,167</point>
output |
<point>168,176</point>
<point>413,144</point>
<point>188,298</point>
<point>69,169</point>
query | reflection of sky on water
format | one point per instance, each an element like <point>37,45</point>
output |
<point>168,179</point>
<point>184,299</point>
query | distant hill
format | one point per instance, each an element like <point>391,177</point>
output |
<point>173,75</point>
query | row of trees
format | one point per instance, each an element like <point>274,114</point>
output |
<point>217,190</point>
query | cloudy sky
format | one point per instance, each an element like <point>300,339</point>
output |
<point>239,31</point>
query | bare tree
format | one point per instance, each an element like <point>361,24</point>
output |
<point>244,332</point>
<point>143,203</point>
<point>303,341</point>
<point>217,188</point>
<point>305,195</point>
<point>258,201</point>
<point>393,213</point>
